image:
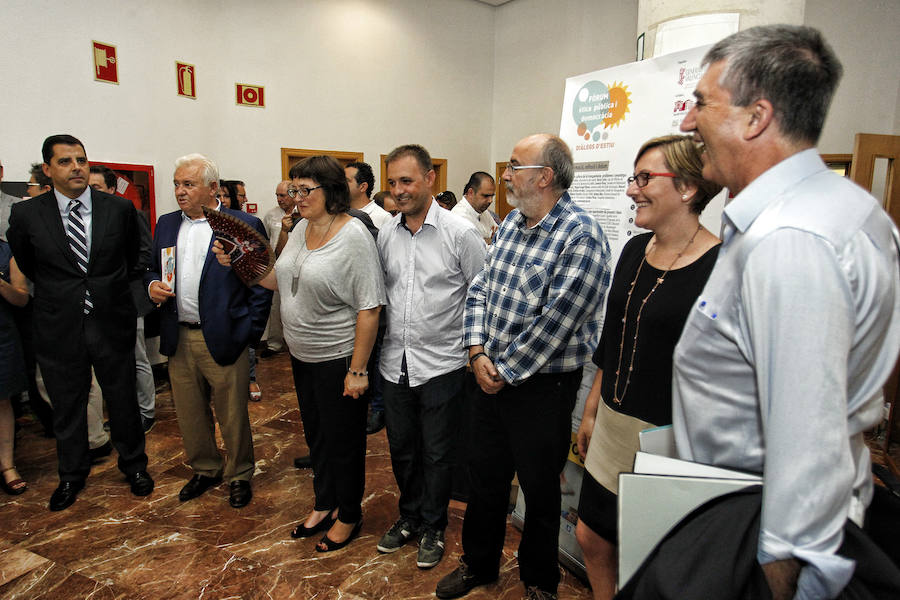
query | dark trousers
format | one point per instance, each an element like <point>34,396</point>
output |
<point>422,429</point>
<point>67,376</point>
<point>335,429</point>
<point>524,429</point>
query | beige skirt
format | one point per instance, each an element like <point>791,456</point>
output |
<point>613,446</point>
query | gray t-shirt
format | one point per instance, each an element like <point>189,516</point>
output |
<point>323,290</point>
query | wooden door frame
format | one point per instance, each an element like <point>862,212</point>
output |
<point>290,156</point>
<point>503,207</point>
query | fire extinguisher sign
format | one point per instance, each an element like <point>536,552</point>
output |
<point>250,95</point>
<point>106,66</point>
<point>184,77</point>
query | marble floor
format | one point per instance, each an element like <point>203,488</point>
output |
<point>112,545</point>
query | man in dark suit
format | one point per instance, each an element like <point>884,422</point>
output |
<point>206,324</point>
<point>80,248</point>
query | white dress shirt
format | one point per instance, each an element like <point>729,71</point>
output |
<point>194,238</point>
<point>483,222</point>
<point>426,275</point>
<point>780,366</point>
<point>378,215</point>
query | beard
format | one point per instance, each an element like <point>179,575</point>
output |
<point>527,201</point>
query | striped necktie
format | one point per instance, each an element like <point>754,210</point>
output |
<point>78,243</point>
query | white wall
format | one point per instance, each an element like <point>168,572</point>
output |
<point>865,34</point>
<point>538,45</point>
<point>338,74</point>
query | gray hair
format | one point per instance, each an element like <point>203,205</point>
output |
<point>791,66</point>
<point>556,154</point>
<point>209,171</point>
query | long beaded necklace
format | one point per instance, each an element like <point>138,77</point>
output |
<point>617,398</point>
<point>295,280</point>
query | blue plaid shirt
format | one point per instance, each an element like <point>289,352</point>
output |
<point>535,306</point>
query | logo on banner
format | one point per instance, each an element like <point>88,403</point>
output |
<point>184,76</point>
<point>689,76</point>
<point>598,107</point>
<point>105,64</point>
<point>250,95</point>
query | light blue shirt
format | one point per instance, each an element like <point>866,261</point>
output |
<point>780,366</point>
<point>426,275</point>
<point>86,212</point>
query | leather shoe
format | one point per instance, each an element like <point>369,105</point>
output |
<point>375,422</point>
<point>303,462</point>
<point>65,494</point>
<point>240,493</point>
<point>141,483</point>
<point>96,454</point>
<point>197,485</point>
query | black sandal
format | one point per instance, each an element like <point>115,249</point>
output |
<point>326,544</point>
<point>302,531</point>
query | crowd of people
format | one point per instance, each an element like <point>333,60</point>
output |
<point>765,350</point>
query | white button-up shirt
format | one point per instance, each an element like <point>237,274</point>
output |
<point>426,275</point>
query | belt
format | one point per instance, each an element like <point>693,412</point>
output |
<point>189,325</point>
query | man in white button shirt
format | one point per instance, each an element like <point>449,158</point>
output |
<point>361,181</point>
<point>780,365</point>
<point>272,220</point>
<point>477,197</point>
<point>430,257</point>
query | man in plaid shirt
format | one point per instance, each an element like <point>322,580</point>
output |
<point>531,322</point>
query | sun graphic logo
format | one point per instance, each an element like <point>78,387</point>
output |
<point>598,106</point>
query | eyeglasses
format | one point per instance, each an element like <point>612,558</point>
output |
<point>302,192</point>
<point>643,179</point>
<point>514,168</point>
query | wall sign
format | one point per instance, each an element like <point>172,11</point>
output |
<point>184,76</point>
<point>106,66</point>
<point>249,95</point>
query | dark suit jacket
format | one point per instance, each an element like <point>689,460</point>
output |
<point>41,248</point>
<point>232,315</point>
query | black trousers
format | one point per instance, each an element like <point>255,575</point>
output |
<point>335,429</point>
<point>524,429</point>
<point>422,429</point>
<point>67,376</point>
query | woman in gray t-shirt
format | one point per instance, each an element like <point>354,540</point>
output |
<point>332,291</point>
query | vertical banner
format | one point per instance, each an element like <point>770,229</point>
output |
<point>249,95</point>
<point>607,116</point>
<point>184,76</point>
<point>106,66</point>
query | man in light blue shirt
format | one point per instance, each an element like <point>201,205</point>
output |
<point>780,366</point>
<point>429,257</point>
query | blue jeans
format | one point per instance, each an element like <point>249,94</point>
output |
<point>422,428</point>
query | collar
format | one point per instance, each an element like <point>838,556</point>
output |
<point>184,217</point>
<point>63,201</point>
<point>549,221</point>
<point>432,217</point>
<point>768,187</point>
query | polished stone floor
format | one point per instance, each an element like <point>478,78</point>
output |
<point>112,545</point>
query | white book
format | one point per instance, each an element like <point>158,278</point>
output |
<point>658,495</point>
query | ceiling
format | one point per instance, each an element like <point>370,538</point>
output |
<point>494,2</point>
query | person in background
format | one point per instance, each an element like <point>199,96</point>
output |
<point>656,282</point>
<point>104,179</point>
<point>386,201</point>
<point>13,292</point>
<point>477,197</point>
<point>273,221</point>
<point>446,200</point>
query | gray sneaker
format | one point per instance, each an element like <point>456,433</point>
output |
<point>400,532</point>
<point>533,592</point>
<point>431,548</point>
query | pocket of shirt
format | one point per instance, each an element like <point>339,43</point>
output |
<point>533,281</point>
